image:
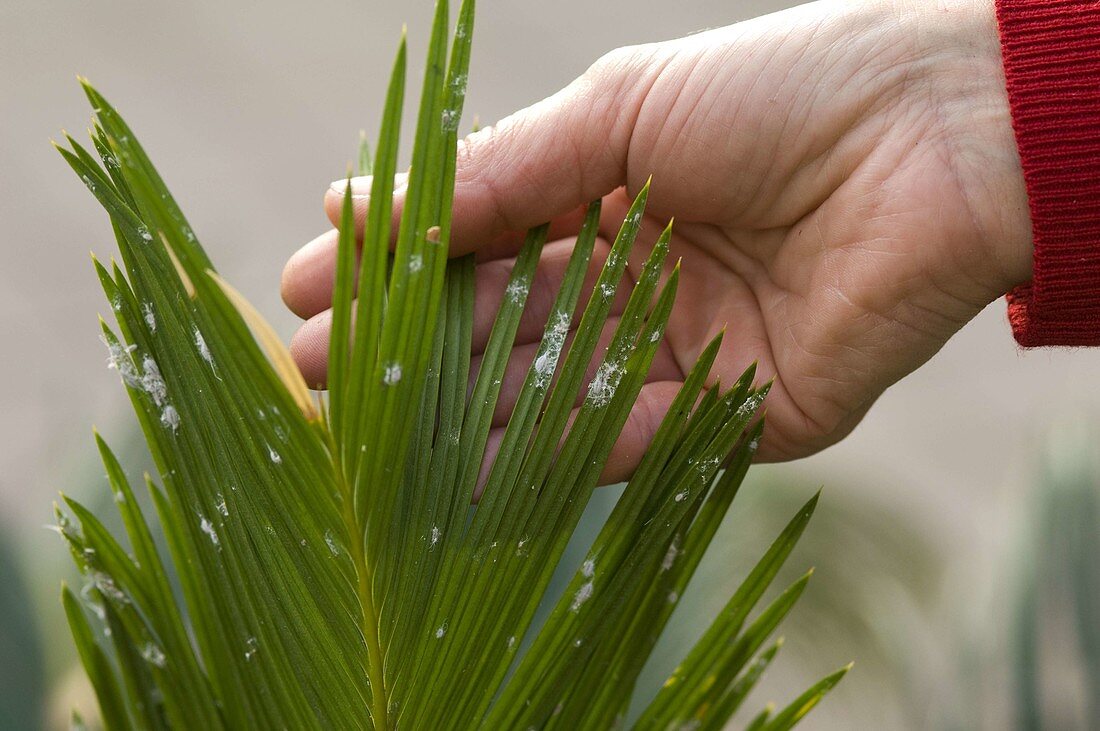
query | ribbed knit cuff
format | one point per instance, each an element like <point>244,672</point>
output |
<point>1051,52</point>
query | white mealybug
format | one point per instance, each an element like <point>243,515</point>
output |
<point>274,456</point>
<point>416,263</point>
<point>552,342</point>
<point>153,382</point>
<point>545,365</point>
<point>221,506</point>
<point>436,534</point>
<point>251,647</point>
<point>440,631</point>
<point>602,388</point>
<point>204,350</point>
<point>681,496</point>
<point>170,418</point>
<point>588,568</point>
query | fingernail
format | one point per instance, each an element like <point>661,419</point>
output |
<point>360,187</point>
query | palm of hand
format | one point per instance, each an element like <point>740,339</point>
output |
<point>843,256</point>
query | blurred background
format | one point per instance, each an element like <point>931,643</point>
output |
<point>957,536</point>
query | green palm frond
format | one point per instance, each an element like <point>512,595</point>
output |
<point>332,569</point>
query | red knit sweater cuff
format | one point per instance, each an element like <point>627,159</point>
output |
<point>1051,52</point>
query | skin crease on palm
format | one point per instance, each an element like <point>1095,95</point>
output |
<point>846,193</point>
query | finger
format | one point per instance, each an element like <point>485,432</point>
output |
<point>663,368</point>
<point>309,276</point>
<point>309,349</point>
<point>542,161</point>
<point>653,403</point>
<point>492,281</point>
<point>508,244</point>
<point>310,297</point>
<point>310,273</point>
<point>310,294</point>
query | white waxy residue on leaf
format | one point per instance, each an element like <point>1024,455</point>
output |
<point>153,382</point>
<point>671,554</point>
<point>517,291</point>
<point>392,374</point>
<point>208,528</point>
<point>602,388</point>
<point>150,318</point>
<point>582,595</point>
<point>153,655</point>
<point>118,359</point>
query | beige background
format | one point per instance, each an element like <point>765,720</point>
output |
<point>250,108</point>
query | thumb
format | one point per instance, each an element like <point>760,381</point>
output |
<point>541,162</point>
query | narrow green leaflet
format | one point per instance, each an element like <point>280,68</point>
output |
<point>805,703</point>
<point>375,557</point>
<point>112,707</point>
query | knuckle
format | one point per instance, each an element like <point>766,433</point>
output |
<point>621,60</point>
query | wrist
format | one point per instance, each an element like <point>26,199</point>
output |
<point>962,71</point>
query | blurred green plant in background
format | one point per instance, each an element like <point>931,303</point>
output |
<point>22,671</point>
<point>1029,656</point>
<point>1056,617</point>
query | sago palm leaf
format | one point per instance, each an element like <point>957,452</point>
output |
<point>334,570</point>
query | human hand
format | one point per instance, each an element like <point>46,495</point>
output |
<point>845,184</point>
